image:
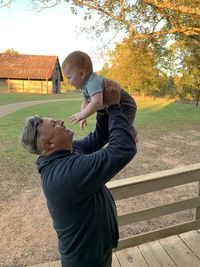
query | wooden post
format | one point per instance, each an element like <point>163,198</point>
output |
<point>197,210</point>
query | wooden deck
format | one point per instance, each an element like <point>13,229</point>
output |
<point>181,250</point>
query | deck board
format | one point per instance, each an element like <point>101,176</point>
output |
<point>115,262</point>
<point>179,250</point>
<point>155,255</point>
<point>131,257</point>
<point>192,240</point>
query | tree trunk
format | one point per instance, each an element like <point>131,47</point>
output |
<point>198,96</point>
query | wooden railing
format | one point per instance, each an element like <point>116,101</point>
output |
<point>133,186</point>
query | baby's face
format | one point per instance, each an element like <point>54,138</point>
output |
<point>74,75</point>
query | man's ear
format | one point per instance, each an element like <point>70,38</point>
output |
<point>47,145</point>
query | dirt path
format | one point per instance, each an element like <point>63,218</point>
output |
<point>10,108</point>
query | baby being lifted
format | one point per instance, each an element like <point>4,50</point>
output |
<point>78,69</point>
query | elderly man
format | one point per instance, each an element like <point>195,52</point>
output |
<point>73,177</point>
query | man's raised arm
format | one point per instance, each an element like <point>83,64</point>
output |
<point>97,139</point>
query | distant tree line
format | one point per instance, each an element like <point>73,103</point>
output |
<point>157,69</point>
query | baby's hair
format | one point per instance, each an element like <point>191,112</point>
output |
<point>78,59</point>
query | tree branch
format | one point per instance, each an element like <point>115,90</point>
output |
<point>5,3</point>
<point>106,12</point>
<point>177,8</point>
<point>40,5</point>
<point>187,31</point>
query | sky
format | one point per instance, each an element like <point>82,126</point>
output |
<point>49,32</point>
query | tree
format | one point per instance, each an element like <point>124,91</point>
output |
<point>166,86</point>
<point>10,51</point>
<point>183,58</point>
<point>133,65</point>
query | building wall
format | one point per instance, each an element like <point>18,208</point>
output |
<point>25,86</point>
<point>3,86</point>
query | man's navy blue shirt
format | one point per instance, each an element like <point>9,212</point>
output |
<point>82,208</point>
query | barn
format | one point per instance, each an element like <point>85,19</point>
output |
<point>34,74</point>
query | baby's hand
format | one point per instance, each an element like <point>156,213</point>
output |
<point>75,117</point>
<point>83,123</point>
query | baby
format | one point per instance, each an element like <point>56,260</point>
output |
<point>78,69</point>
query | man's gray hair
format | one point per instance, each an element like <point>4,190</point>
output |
<point>29,135</point>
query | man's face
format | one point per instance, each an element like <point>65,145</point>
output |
<point>58,136</point>
<point>74,76</point>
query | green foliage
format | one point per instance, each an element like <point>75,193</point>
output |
<point>133,65</point>
<point>157,69</point>
<point>186,54</point>
<point>10,51</point>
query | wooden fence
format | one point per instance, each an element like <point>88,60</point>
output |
<point>133,186</point>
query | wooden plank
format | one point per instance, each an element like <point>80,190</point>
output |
<point>179,252</point>
<point>155,255</point>
<point>154,235</point>
<point>192,240</point>
<point>115,262</point>
<point>159,211</point>
<point>131,257</point>
<point>142,184</point>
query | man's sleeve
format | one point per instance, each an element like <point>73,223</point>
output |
<point>97,139</point>
<point>89,172</point>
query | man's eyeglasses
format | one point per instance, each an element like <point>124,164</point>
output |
<point>37,121</point>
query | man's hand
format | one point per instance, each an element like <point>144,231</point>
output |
<point>111,93</point>
<point>76,118</point>
<point>83,123</point>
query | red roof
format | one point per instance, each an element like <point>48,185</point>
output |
<point>34,67</point>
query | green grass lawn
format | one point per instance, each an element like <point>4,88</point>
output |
<point>152,116</point>
<point>165,116</point>
<point>14,98</point>
<point>155,119</point>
